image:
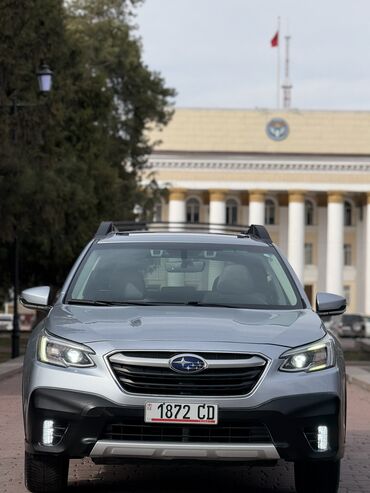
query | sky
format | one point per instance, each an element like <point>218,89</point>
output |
<point>217,53</point>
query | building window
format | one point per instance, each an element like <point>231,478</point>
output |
<point>308,213</point>
<point>192,211</point>
<point>347,254</point>
<point>347,294</point>
<point>308,253</point>
<point>231,212</point>
<point>347,213</point>
<point>157,213</point>
<point>270,212</point>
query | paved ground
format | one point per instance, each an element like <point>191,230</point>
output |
<point>86,477</point>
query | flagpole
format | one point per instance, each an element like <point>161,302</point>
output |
<point>278,68</point>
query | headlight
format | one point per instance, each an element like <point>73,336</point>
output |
<point>314,357</point>
<point>61,352</point>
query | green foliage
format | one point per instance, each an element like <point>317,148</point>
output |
<point>73,158</point>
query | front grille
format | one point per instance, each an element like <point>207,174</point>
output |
<point>227,374</point>
<point>252,432</point>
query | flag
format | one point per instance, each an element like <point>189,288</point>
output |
<point>275,40</point>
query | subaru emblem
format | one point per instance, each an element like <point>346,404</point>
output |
<point>187,363</point>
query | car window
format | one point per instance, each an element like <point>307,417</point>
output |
<point>185,273</point>
<point>350,319</point>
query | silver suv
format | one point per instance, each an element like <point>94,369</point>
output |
<point>183,346</point>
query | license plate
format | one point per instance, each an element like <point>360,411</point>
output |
<point>170,412</point>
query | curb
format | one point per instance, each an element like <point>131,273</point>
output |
<point>11,367</point>
<point>358,376</point>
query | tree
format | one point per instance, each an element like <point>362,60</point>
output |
<point>77,158</point>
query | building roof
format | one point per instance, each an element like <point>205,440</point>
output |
<point>244,131</point>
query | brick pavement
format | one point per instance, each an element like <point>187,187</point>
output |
<point>86,477</point>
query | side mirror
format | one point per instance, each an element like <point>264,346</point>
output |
<point>36,298</point>
<point>330,304</point>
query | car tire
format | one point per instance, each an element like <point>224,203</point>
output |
<point>45,473</point>
<point>318,477</point>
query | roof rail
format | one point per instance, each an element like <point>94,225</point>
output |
<point>260,232</point>
<point>105,227</point>
<point>127,227</point>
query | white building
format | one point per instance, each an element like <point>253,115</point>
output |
<point>304,174</point>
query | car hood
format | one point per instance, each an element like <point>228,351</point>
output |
<point>287,328</point>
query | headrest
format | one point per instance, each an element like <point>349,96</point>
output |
<point>235,279</point>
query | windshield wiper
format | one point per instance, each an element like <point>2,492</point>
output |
<point>88,302</point>
<point>148,303</point>
<point>221,305</point>
<point>121,303</point>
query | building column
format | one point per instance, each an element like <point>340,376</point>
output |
<point>367,255</point>
<point>283,201</point>
<point>256,207</point>
<point>296,227</point>
<point>322,220</point>
<point>335,239</point>
<point>244,200</point>
<point>217,210</point>
<point>177,209</point>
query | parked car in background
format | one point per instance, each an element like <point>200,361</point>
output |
<point>350,325</point>
<point>6,322</point>
<point>367,325</point>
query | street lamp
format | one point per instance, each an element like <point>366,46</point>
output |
<point>45,80</point>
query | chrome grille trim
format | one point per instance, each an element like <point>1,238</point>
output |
<point>123,359</point>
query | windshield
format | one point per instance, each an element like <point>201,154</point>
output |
<point>204,275</point>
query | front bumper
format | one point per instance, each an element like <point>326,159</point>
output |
<point>289,420</point>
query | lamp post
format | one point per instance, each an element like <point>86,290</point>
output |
<point>45,81</point>
<point>138,211</point>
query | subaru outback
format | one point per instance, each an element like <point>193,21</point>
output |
<point>183,346</point>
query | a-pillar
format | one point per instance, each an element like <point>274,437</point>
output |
<point>367,254</point>
<point>217,210</point>
<point>296,225</point>
<point>256,207</point>
<point>334,249</point>
<point>177,209</point>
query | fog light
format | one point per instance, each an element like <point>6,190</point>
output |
<point>48,432</point>
<point>322,438</point>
